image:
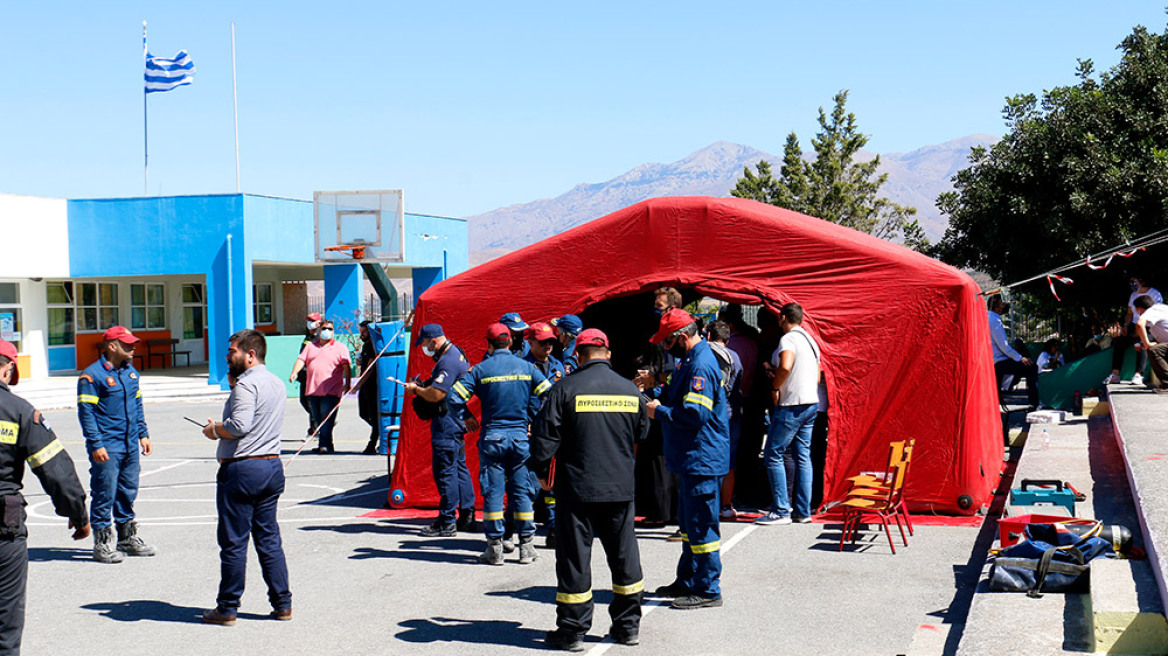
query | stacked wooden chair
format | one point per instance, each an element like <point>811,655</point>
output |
<point>879,498</point>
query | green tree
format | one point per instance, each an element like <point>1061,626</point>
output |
<point>834,186</point>
<point>1079,171</point>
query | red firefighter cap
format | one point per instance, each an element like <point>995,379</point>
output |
<point>672,320</point>
<point>592,337</point>
<point>497,331</point>
<point>540,332</point>
<point>121,334</point>
<point>8,350</point>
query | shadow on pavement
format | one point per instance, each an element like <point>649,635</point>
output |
<point>489,632</point>
<point>380,528</point>
<point>546,594</point>
<point>43,554</point>
<point>443,556</point>
<point>157,611</point>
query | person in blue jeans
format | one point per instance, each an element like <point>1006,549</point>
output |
<point>794,374</point>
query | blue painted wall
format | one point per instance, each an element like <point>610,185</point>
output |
<point>433,241</point>
<point>278,229</point>
<point>150,236</point>
<point>344,285</point>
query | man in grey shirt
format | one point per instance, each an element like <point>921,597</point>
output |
<point>250,479</point>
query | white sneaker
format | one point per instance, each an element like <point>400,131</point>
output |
<point>1137,379</point>
<point>1111,380</point>
<point>728,513</point>
<point>772,519</point>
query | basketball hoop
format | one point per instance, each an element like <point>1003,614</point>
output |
<point>356,251</point>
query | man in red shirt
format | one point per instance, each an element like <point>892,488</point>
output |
<point>329,375</point>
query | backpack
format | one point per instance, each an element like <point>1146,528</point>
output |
<point>725,363</point>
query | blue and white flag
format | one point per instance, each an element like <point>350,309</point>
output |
<point>166,74</point>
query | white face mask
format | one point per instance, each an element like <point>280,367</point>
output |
<point>428,351</point>
<point>326,335</point>
<point>311,325</point>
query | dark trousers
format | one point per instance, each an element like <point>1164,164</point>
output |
<point>114,486</point>
<point>367,408</point>
<point>1008,367</point>
<point>700,567</point>
<point>246,495</point>
<point>322,407</point>
<point>302,378</point>
<point>611,523</point>
<point>452,477</point>
<point>1158,356</point>
<point>13,583</point>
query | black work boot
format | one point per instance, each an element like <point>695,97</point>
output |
<point>466,520</point>
<point>563,640</point>
<point>130,543</point>
<point>439,530</point>
<point>104,546</point>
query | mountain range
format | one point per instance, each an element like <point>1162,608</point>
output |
<point>914,178</point>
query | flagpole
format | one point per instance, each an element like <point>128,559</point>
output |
<point>235,106</point>
<point>145,122</point>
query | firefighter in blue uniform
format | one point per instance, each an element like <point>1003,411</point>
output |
<point>26,437</point>
<point>567,328</point>
<point>455,491</point>
<point>509,390</point>
<point>695,420</point>
<point>590,423</point>
<point>542,340</point>
<point>517,326</point>
<point>109,405</point>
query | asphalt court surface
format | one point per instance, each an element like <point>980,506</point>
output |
<point>374,586</point>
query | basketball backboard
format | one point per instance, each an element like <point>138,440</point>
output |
<point>359,226</point>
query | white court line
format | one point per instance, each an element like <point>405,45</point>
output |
<point>608,643</point>
<point>162,469</point>
<point>335,490</point>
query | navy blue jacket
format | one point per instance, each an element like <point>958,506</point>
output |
<point>508,388</point>
<point>448,368</point>
<point>109,405</point>
<point>554,370</point>
<point>694,416</point>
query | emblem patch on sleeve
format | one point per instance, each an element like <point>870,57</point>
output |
<point>699,383</point>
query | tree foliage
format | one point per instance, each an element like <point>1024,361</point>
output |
<point>1079,171</point>
<point>833,186</point>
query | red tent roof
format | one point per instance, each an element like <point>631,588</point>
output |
<point>905,340</point>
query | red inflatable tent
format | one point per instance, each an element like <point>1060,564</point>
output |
<point>906,346</point>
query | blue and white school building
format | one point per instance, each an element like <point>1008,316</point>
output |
<point>183,272</point>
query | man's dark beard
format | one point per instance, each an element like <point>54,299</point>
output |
<point>235,369</point>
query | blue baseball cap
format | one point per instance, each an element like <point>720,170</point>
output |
<point>429,331</point>
<point>513,322</point>
<point>569,323</point>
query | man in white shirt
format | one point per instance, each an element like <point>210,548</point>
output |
<point>794,372</point>
<point>1007,361</point>
<point>1153,324</point>
<point>1139,287</point>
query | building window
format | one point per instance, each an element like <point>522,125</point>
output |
<point>10,328</point>
<point>194,311</point>
<point>97,306</point>
<point>60,302</point>
<point>147,307</point>
<point>263,311</point>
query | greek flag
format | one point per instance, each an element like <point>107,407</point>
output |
<point>166,74</point>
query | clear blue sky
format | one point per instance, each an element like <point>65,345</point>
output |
<point>472,106</point>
